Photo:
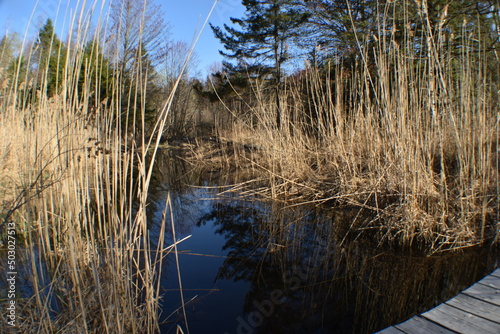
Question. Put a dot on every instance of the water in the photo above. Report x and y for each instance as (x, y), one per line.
(252, 266)
(256, 267)
(200, 258)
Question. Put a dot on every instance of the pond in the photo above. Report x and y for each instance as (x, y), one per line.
(253, 266)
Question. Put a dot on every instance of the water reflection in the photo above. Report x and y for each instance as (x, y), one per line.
(258, 267)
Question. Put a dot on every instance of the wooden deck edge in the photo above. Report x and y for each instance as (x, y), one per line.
(474, 310)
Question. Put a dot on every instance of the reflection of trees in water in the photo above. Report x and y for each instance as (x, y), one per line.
(294, 255)
(173, 176)
(326, 288)
(182, 180)
(239, 225)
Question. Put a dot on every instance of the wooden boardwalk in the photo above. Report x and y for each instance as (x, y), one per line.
(474, 310)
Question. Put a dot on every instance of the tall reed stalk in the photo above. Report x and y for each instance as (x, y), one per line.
(411, 140)
(75, 178)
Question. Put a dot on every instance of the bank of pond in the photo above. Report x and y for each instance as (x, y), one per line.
(257, 266)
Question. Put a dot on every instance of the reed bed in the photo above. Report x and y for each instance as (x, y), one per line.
(411, 140)
(75, 172)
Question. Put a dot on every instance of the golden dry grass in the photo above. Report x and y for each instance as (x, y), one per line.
(76, 188)
(416, 146)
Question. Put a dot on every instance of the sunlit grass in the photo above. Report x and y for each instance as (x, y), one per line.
(75, 171)
(411, 140)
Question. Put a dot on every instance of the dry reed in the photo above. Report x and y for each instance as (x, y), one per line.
(75, 186)
(412, 141)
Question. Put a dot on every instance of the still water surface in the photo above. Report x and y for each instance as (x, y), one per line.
(259, 267)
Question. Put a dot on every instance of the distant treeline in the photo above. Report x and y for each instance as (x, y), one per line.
(277, 41)
(129, 58)
(271, 46)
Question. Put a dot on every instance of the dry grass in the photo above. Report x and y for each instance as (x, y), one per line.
(76, 188)
(415, 144)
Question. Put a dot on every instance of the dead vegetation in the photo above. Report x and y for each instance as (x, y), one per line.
(413, 142)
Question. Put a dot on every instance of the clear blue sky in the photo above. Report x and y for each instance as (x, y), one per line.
(185, 17)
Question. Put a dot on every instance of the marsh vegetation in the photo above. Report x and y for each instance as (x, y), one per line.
(342, 134)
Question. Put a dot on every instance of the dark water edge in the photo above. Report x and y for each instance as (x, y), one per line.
(259, 267)
(252, 266)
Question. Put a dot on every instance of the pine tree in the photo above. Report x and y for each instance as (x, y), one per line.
(136, 43)
(341, 27)
(262, 44)
(51, 56)
(8, 46)
(95, 79)
(337, 27)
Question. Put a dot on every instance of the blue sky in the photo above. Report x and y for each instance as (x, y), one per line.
(185, 16)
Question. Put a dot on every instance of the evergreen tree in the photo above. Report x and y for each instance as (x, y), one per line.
(341, 27)
(51, 59)
(95, 79)
(135, 47)
(263, 42)
(337, 27)
(458, 24)
(8, 46)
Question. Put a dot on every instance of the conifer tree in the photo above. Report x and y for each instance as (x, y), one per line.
(9, 43)
(95, 77)
(263, 41)
(338, 27)
(51, 59)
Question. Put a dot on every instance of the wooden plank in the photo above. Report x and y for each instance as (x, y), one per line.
(491, 281)
(484, 292)
(475, 310)
(419, 325)
(460, 321)
(496, 273)
(391, 330)
(476, 306)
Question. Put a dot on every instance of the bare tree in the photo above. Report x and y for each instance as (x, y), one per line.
(136, 42)
(183, 109)
(173, 59)
(137, 27)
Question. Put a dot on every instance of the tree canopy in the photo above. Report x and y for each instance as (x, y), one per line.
(50, 57)
(263, 40)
